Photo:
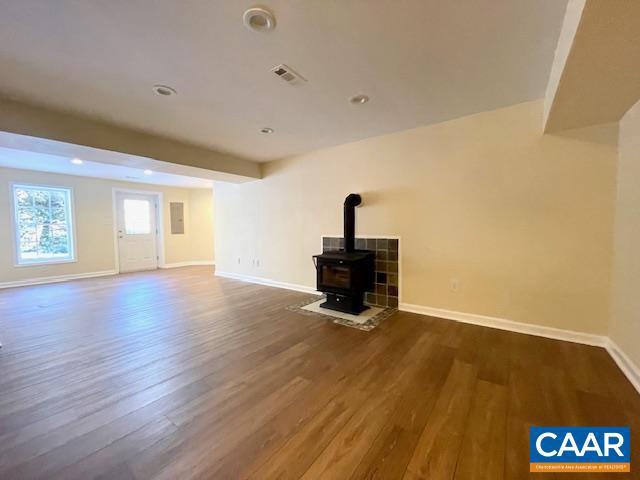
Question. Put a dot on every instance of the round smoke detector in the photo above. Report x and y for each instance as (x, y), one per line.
(258, 19)
(164, 90)
(359, 99)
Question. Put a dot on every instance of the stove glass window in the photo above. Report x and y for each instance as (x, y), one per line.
(336, 276)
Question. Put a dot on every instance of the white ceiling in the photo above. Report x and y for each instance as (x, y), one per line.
(12, 158)
(420, 61)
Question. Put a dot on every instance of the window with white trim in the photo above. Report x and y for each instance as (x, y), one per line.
(43, 224)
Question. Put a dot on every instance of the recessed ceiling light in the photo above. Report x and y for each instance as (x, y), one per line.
(77, 161)
(359, 99)
(266, 130)
(148, 172)
(164, 90)
(259, 20)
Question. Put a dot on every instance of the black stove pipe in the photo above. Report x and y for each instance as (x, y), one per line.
(352, 201)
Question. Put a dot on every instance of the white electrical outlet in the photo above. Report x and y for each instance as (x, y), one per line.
(455, 284)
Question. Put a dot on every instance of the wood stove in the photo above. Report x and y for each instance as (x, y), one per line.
(345, 275)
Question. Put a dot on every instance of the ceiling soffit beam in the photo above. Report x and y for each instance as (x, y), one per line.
(595, 77)
(572, 17)
(34, 121)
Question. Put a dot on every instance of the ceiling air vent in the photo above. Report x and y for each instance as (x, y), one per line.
(288, 74)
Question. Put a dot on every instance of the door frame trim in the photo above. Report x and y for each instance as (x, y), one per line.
(159, 223)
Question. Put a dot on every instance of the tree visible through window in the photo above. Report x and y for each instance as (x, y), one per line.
(43, 224)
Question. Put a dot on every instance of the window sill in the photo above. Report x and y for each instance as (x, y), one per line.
(44, 262)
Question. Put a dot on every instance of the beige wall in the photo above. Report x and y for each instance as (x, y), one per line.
(94, 224)
(625, 317)
(200, 234)
(523, 221)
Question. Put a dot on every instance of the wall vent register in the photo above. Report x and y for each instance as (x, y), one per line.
(288, 74)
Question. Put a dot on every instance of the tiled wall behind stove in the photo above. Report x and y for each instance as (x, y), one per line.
(385, 293)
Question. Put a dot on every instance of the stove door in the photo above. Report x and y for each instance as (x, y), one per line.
(334, 276)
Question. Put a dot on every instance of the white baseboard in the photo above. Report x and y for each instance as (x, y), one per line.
(628, 367)
(56, 279)
(268, 282)
(510, 325)
(188, 264)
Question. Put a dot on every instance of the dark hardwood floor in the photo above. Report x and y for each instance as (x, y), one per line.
(178, 374)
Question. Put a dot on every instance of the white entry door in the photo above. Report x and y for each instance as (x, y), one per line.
(137, 231)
